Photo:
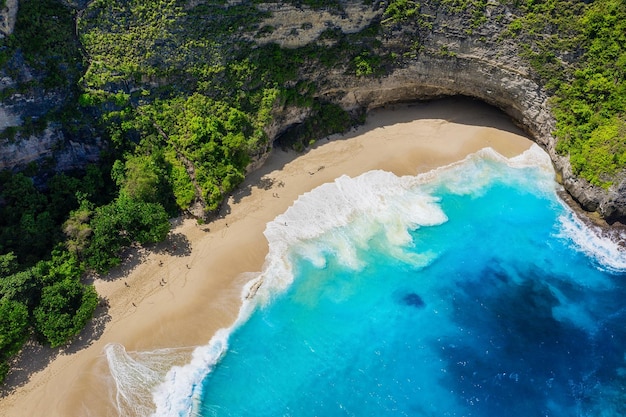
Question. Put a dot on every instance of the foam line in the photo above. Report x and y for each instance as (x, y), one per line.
(593, 242)
(137, 374)
(472, 174)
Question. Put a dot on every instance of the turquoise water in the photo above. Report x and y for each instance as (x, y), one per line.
(471, 291)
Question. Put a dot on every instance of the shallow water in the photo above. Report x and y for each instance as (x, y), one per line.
(470, 291)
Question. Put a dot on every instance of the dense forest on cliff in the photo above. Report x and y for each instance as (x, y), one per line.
(183, 95)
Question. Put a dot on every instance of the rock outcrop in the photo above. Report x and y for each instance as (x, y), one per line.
(8, 16)
(33, 131)
(52, 148)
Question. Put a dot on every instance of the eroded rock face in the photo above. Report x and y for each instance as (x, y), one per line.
(50, 147)
(455, 59)
(8, 16)
(47, 146)
(30, 135)
(520, 97)
(292, 27)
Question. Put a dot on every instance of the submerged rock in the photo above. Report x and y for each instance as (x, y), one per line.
(414, 300)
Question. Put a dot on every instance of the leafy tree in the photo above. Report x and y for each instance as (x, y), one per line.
(13, 327)
(143, 222)
(77, 229)
(22, 286)
(65, 308)
(8, 264)
(62, 265)
(13, 331)
(37, 234)
(141, 179)
(179, 180)
(28, 219)
(20, 196)
(62, 199)
(121, 223)
(102, 253)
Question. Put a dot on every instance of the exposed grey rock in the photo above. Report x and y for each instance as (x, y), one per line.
(51, 148)
(8, 117)
(479, 63)
(8, 16)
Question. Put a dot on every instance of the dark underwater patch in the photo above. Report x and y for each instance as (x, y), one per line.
(511, 353)
(414, 300)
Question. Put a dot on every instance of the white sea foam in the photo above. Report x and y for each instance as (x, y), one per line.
(590, 240)
(179, 393)
(336, 218)
(474, 173)
(137, 374)
(340, 217)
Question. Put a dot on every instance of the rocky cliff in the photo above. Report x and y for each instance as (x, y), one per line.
(39, 124)
(438, 51)
(453, 58)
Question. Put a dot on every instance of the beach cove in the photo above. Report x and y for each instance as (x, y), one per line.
(173, 298)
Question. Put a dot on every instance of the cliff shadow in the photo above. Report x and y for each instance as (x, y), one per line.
(175, 244)
(454, 109)
(261, 178)
(131, 257)
(33, 358)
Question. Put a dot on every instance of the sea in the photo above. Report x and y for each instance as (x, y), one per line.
(471, 290)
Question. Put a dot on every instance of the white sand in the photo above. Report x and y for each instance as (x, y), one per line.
(196, 290)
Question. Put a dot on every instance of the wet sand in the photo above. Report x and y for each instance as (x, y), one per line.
(178, 293)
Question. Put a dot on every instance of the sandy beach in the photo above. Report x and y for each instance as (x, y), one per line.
(175, 295)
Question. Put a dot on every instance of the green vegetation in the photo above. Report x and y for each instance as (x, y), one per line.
(476, 9)
(182, 95)
(120, 223)
(327, 119)
(64, 309)
(579, 51)
(591, 106)
(47, 299)
(401, 11)
(30, 219)
(13, 331)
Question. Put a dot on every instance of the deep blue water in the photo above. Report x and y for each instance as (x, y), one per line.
(462, 294)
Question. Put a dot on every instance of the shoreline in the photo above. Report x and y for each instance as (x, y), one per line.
(177, 294)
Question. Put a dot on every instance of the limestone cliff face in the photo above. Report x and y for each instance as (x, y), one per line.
(31, 132)
(7, 17)
(51, 148)
(453, 58)
(46, 144)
